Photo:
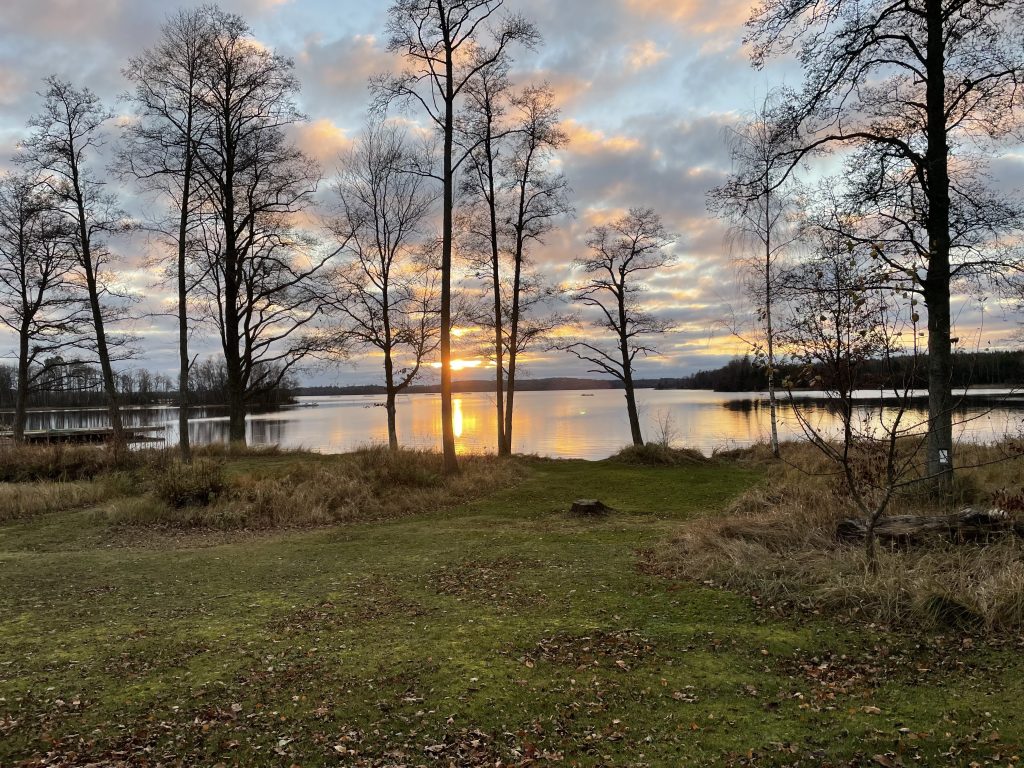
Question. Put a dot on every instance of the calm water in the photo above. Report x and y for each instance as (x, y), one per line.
(588, 425)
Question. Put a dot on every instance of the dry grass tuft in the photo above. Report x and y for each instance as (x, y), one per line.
(777, 541)
(197, 483)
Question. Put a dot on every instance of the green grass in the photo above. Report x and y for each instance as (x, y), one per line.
(501, 629)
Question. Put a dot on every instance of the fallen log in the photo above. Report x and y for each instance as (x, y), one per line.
(590, 508)
(968, 525)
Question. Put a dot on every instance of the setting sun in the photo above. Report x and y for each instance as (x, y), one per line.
(461, 365)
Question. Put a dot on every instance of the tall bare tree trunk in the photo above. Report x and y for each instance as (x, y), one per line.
(770, 331)
(451, 461)
(936, 286)
(499, 342)
(102, 351)
(184, 442)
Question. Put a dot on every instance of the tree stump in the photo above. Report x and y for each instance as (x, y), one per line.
(590, 508)
(968, 525)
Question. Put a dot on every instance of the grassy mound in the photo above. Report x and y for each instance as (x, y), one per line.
(659, 455)
(777, 542)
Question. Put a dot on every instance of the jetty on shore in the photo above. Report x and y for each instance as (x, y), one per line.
(87, 435)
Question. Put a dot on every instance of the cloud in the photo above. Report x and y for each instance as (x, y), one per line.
(322, 140)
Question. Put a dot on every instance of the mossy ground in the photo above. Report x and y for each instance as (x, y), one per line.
(503, 629)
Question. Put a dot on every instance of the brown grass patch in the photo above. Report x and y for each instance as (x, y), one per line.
(777, 541)
(19, 501)
(368, 485)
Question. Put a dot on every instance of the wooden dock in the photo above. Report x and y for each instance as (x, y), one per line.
(87, 435)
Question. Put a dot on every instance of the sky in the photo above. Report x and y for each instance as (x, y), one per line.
(647, 90)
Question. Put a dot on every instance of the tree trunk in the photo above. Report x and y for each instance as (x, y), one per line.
(233, 364)
(510, 402)
(627, 370)
(389, 405)
(107, 370)
(184, 442)
(21, 396)
(232, 330)
(939, 447)
(513, 346)
(634, 414)
(968, 525)
(451, 461)
(769, 330)
(499, 342)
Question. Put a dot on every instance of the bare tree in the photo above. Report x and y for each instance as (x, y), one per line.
(39, 300)
(758, 200)
(839, 316)
(621, 253)
(161, 147)
(446, 44)
(483, 131)
(261, 271)
(538, 196)
(386, 294)
(64, 135)
(917, 84)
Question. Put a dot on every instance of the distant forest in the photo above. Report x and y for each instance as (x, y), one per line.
(741, 374)
(68, 384)
(973, 369)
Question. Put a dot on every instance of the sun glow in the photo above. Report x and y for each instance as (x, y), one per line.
(461, 365)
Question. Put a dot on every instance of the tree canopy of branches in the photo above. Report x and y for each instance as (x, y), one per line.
(621, 253)
(260, 271)
(913, 86)
(64, 135)
(758, 200)
(386, 293)
(160, 151)
(39, 300)
(445, 45)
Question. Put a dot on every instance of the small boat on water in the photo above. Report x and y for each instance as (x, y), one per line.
(587, 394)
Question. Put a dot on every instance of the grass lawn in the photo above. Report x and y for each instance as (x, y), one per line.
(501, 630)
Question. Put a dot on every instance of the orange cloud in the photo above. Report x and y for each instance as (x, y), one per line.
(644, 55)
(323, 140)
(583, 140)
(698, 17)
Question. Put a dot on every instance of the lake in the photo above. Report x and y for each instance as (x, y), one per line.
(562, 424)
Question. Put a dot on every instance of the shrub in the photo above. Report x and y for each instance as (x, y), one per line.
(180, 484)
